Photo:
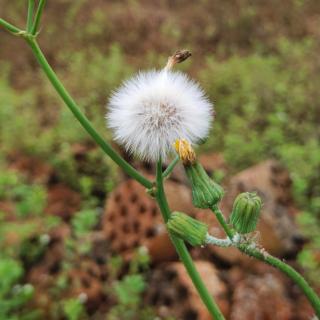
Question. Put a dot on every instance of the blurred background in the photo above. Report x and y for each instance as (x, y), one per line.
(78, 239)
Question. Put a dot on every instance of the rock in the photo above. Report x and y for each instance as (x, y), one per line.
(84, 282)
(213, 162)
(172, 293)
(132, 219)
(33, 168)
(62, 201)
(261, 297)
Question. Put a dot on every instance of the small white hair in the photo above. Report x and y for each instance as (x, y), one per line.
(154, 108)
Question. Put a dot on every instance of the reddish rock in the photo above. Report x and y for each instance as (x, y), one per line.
(213, 162)
(7, 207)
(172, 293)
(62, 201)
(261, 297)
(132, 219)
(35, 169)
(84, 281)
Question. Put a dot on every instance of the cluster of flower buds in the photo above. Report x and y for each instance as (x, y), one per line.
(205, 192)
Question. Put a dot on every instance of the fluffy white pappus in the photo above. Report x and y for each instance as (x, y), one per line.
(153, 109)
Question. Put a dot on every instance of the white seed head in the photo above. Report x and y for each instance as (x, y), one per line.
(149, 112)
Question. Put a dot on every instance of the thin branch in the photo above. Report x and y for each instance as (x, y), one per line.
(9, 27)
(171, 167)
(220, 217)
(84, 121)
(30, 15)
(37, 18)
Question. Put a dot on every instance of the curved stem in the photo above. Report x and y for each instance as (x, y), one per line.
(71, 104)
(183, 252)
(273, 261)
(171, 167)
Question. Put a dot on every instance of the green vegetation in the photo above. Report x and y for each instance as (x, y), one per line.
(267, 96)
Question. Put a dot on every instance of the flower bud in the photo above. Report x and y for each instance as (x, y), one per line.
(185, 152)
(187, 228)
(205, 192)
(245, 212)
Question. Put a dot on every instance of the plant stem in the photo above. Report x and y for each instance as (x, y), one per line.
(9, 26)
(37, 18)
(171, 167)
(218, 242)
(71, 104)
(183, 252)
(220, 217)
(273, 261)
(30, 15)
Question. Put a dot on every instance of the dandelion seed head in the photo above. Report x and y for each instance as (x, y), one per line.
(150, 111)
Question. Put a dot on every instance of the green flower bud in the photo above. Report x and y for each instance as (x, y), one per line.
(245, 212)
(205, 192)
(187, 228)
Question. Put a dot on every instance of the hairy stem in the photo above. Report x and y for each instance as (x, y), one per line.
(183, 252)
(273, 261)
(218, 242)
(170, 167)
(71, 104)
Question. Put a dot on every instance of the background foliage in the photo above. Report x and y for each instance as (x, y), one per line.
(259, 65)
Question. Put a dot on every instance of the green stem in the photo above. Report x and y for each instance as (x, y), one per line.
(30, 15)
(82, 118)
(37, 18)
(171, 167)
(183, 252)
(9, 26)
(220, 217)
(275, 262)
